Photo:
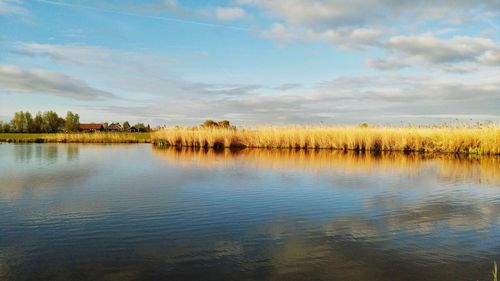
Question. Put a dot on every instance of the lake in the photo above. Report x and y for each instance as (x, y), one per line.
(133, 212)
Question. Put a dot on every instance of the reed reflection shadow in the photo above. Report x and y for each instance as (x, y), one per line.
(449, 167)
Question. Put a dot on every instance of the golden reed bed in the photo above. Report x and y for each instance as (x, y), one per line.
(443, 140)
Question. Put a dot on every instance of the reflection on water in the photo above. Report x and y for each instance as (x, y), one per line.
(72, 152)
(448, 167)
(48, 152)
(131, 212)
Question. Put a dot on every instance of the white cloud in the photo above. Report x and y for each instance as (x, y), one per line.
(357, 38)
(330, 13)
(386, 64)
(303, 12)
(12, 7)
(342, 100)
(462, 68)
(39, 81)
(460, 54)
(456, 49)
(383, 24)
(91, 55)
(279, 33)
(231, 13)
(490, 57)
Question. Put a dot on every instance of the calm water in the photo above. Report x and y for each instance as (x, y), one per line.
(132, 212)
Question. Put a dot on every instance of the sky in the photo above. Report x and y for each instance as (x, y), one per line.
(254, 62)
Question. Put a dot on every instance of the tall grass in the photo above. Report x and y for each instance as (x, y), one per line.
(484, 140)
(98, 137)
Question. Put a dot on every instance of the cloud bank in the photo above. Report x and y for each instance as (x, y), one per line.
(361, 24)
(39, 81)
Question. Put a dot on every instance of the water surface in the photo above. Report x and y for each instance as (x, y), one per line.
(132, 212)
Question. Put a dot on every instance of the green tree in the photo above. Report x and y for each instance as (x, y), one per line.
(6, 128)
(224, 124)
(17, 122)
(126, 126)
(52, 123)
(72, 122)
(220, 124)
(28, 121)
(105, 126)
(22, 122)
(38, 123)
(209, 124)
(141, 127)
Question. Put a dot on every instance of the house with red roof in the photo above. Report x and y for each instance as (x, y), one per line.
(91, 127)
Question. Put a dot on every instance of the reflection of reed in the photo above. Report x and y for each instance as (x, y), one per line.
(448, 167)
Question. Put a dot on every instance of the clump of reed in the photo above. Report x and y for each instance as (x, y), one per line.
(97, 137)
(478, 140)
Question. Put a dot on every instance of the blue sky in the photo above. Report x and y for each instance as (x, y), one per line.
(253, 62)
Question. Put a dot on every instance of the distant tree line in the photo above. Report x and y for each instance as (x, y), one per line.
(50, 122)
(46, 122)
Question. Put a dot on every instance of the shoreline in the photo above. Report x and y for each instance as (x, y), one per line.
(237, 149)
(460, 141)
(312, 149)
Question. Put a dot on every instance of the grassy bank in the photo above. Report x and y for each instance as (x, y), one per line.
(119, 137)
(443, 140)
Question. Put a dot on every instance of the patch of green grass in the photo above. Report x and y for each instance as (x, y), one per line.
(99, 137)
(20, 137)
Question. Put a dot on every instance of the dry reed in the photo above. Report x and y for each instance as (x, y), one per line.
(484, 140)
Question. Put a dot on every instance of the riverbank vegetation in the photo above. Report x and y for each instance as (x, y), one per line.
(96, 137)
(467, 140)
(50, 122)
